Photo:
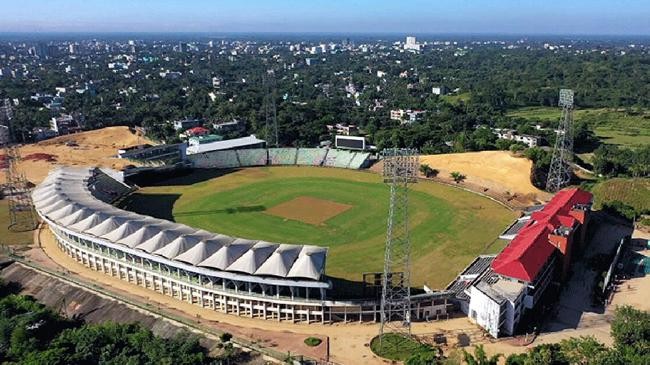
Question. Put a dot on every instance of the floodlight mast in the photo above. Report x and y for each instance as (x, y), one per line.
(400, 170)
(270, 111)
(559, 174)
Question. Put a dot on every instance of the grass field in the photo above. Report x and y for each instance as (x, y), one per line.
(633, 192)
(457, 98)
(8, 237)
(449, 227)
(397, 347)
(611, 126)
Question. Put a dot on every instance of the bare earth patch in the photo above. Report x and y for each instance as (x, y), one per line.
(92, 148)
(308, 210)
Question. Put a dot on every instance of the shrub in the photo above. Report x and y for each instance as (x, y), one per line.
(457, 176)
(225, 337)
(313, 341)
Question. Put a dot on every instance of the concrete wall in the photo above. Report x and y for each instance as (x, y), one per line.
(484, 311)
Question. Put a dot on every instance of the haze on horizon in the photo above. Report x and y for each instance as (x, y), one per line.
(585, 17)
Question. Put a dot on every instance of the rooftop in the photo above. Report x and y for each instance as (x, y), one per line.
(526, 254)
(225, 145)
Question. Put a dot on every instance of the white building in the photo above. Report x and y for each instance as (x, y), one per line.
(66, 123)
(216, 82)
(411, 44)
(497, 307)
(397, 114)
(406, 116)
(512, 135)
(342, 129)
(495, 291)
(439, 90)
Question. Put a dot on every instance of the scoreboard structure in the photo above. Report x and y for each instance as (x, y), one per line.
(350, 143)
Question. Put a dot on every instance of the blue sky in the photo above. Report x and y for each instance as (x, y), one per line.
(353, 16)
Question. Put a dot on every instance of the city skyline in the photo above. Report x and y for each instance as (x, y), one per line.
(579, 17)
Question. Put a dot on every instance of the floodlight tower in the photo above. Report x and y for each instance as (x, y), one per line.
(400, 170)
(559, 174)
(22, 216)
(270, 112)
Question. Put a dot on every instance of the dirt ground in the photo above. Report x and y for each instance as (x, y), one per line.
(493, 172)
(93, 148)
(634, 291)
(308, 210)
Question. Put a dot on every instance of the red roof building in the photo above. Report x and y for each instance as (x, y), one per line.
(551, 228)
(197, 131)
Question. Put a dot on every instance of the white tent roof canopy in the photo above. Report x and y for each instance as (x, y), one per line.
(75, 198)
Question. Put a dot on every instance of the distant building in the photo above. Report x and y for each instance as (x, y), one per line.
(40, 133)
(173, 75)
(182, 125)
(216, 82)
(4, 134)
(406, 116)
(512, 135)
(42, 98)
(397, 114)
(411, 44)
(66, 123)
(343, 129)
(197, 131)
(232, 126)
(55, 104)
(6, 111)
(439, 90)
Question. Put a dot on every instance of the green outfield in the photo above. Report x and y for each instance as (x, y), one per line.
(449, 227)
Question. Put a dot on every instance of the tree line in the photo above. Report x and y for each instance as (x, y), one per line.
(30, 333)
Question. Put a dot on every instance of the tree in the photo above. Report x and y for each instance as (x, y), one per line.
(631, 328)
(480, 357)
(427, 171)
(546, 354)
(457, 176)
(225, 337)
(516, 147)
(424, 357)
(581, 350)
